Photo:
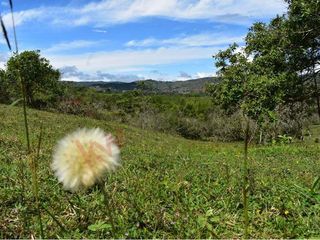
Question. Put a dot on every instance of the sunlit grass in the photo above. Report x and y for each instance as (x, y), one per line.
(167, 187)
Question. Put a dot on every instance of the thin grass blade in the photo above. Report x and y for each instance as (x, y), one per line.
(16, 102)
(11, 6)
(315, 183)
(14, 26)
(5, 33)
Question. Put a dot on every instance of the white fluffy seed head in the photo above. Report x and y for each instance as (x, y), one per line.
(82, 157)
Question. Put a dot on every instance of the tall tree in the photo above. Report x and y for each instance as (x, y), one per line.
(40, 79)
(272, 54)
(246, 85)
(275, 65)
(303, 26)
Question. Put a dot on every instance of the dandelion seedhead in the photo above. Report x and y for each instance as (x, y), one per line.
(82, 157)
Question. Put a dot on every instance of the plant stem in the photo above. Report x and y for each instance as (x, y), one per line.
(78, 211)
(25, 113)
(36, 181)
(54, 219)
(14, 29)
(23, 86)
(107, 204)
(22, 193)
(245, 181)
(35, 186)
(23, 91)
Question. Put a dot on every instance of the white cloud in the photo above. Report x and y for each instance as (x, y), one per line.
(3, 59)
(2, 41)
(109, 12)
(204, 74)
(99, 30)
(24, 16)
(204, 39)
(72, 73)
(115, 60)
(65, 46)
(122, 64)
(183, 76)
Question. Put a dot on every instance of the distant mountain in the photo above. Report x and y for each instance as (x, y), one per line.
(181, 87)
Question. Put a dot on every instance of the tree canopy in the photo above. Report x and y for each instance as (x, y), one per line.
(39, 78)
(278, 64)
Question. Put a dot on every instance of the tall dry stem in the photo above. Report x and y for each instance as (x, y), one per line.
(245, 180)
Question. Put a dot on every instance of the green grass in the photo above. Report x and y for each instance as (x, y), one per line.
(167, 187)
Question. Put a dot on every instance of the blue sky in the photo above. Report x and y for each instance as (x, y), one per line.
(127, 40)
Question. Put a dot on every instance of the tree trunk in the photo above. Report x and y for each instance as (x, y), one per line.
(260, 136)
(314, 76)
(316, 90)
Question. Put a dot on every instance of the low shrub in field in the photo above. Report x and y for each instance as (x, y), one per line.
(190, 128)
(225, 128)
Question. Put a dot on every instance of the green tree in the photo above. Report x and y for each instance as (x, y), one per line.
(277, 68)
(40, 79)
(270, 48)
(289, 46)
(246, 85)
(303, 26)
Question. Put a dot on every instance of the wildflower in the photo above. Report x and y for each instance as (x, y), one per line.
(82, 157)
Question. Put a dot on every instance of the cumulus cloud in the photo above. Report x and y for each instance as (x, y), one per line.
(118, 77)
(184, 75)
(72, 73)
(130, 58)
(204, 74)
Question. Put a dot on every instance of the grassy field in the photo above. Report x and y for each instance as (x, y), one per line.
(167, 187)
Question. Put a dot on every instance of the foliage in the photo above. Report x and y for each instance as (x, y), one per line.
(194, 86)
(243, 87)
(304, 34)
(39, 78)
(190, 116)
(4, 86)
(275, 67)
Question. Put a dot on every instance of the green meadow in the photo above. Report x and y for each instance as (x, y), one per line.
(166, 187)
(225, 157)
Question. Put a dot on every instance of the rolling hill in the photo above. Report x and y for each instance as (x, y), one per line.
(180, 87)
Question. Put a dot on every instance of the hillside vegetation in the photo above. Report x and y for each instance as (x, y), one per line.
(176, 87)
(167, 187)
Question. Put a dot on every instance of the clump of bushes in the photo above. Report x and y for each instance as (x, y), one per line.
(192, 117)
